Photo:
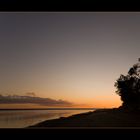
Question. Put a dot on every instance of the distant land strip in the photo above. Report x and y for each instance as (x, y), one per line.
(47, 109)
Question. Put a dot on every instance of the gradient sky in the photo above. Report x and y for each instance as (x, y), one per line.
(68, 55)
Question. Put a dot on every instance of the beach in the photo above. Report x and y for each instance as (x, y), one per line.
(99, 118)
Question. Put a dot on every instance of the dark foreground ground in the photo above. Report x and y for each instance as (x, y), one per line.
(98, 118)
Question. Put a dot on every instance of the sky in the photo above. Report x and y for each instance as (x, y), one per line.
(73, 56)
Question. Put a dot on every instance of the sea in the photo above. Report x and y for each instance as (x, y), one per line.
(28, 117)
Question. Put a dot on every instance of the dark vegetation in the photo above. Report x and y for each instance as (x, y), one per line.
(128, 87)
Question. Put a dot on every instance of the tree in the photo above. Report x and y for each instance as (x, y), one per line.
(128, 87)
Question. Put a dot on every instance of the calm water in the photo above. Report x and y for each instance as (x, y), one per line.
(24, 118)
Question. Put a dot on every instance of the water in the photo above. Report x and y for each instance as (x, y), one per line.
(24, 118)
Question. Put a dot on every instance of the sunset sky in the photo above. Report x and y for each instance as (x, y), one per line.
(73, 56)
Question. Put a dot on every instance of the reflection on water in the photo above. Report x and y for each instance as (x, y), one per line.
(24, 118)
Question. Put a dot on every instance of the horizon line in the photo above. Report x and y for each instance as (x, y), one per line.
(65, 108)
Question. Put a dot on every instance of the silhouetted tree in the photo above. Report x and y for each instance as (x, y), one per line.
(128, 87)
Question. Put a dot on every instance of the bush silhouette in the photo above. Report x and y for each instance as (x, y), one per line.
(128, 87)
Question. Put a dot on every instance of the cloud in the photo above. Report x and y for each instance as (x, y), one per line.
(30, 94)
(16, 99)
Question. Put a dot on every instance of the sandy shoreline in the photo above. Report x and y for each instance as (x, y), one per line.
(98, 118)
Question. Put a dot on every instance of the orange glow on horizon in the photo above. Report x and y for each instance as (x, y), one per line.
(93, 104)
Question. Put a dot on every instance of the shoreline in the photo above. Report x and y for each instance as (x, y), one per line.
(99, 118)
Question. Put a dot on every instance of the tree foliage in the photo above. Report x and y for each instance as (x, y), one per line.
(128, 87)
